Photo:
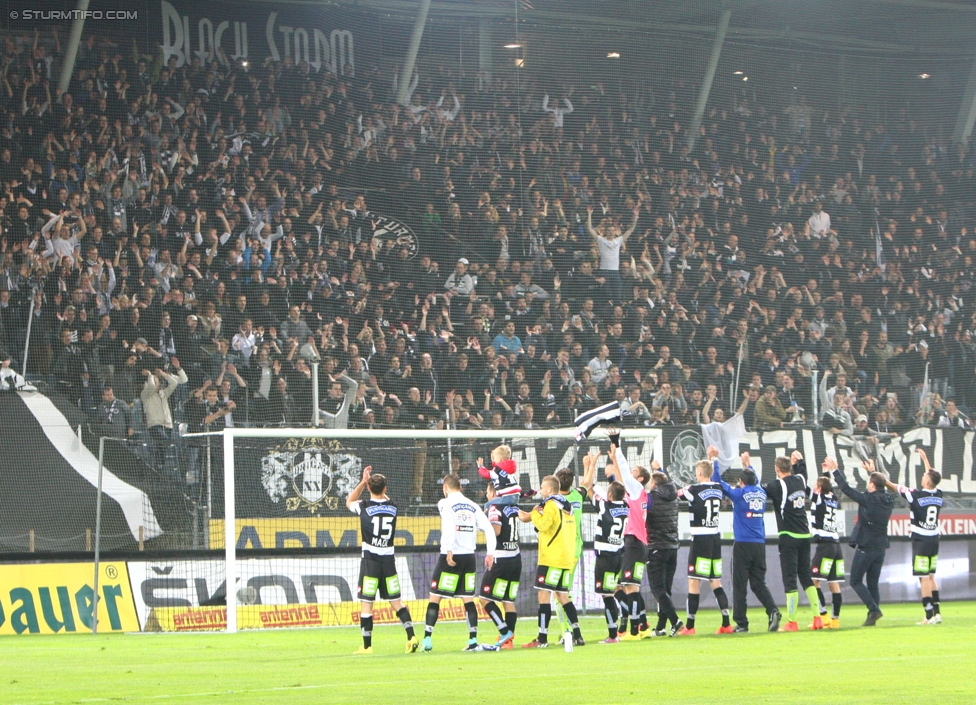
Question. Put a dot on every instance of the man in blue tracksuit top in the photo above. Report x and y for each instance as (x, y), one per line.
(749, 550)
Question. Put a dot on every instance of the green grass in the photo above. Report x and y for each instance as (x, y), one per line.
(894, 662)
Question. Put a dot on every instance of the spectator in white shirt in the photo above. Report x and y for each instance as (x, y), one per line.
(244, 341)
(557, 113)
(818, 224)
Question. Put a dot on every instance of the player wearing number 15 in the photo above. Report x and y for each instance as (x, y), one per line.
(925, 505)
(377, 570)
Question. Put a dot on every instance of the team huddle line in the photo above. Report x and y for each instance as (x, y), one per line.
(637, 534)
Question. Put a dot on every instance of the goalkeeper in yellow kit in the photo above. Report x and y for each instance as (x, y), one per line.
(556, 524)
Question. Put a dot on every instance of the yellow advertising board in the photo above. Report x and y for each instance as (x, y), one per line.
(57, 598)
(321, 532)
(337, 614)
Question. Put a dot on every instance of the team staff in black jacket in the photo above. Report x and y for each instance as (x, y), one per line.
(870, 535)
(662, 547)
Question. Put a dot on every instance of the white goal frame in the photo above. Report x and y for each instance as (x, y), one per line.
(231, 434)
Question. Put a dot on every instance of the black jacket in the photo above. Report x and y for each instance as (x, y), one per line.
(873, 512)
(662, 517)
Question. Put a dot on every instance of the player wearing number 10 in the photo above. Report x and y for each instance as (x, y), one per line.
(500, 584)
(377, 570)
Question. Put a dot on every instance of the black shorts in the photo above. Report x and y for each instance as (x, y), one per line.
(705, 557)
(925, 556)
(553, 579)
(794, 562)
(607, 572)
(501, 582)
(378, 578)
(632, 563)
(828, 563)
(662, 563)
(454, 581)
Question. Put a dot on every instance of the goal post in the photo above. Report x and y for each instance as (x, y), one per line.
(282, 486)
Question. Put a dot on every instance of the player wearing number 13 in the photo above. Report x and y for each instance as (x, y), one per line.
(705, 559)
(377, 570)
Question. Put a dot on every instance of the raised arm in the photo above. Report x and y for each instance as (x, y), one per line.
(634, 487)
(717, 473)
(357, 491)
(589, 223)
(630, 231)
(589, 471)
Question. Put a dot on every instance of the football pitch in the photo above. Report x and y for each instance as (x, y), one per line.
(892, 663)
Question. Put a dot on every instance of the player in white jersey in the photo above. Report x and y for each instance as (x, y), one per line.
(454, 574)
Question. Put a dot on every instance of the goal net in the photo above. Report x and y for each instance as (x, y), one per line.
(291, 553)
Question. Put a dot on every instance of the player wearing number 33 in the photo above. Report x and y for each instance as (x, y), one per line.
(377, 570)
(454, 574)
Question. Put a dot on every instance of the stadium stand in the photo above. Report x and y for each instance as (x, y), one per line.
(181, 241)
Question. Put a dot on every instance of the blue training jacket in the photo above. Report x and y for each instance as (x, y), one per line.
(748, 508)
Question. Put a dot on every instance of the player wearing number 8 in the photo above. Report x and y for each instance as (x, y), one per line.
(705, 558)
(925, 505)
(377, 570)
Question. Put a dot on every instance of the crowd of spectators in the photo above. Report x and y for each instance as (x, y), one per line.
(183, 241)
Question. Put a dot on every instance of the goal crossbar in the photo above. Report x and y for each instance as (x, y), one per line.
(232, 434)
